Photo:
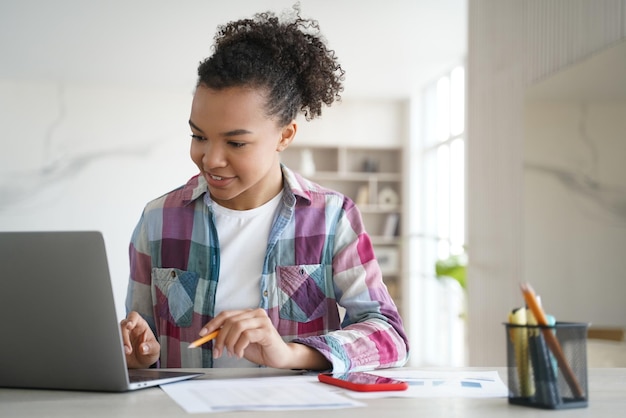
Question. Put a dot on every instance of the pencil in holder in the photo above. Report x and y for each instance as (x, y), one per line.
(547, 365)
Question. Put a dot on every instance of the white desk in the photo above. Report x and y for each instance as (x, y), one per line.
(607, 398)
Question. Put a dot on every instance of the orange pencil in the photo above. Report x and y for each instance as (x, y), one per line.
(551, 340)
(204, 339)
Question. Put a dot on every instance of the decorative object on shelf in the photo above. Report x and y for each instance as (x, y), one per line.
(388, 198)
(391, 225)
(307, 163)
(370, 165)
(363, 195)
(388, 259)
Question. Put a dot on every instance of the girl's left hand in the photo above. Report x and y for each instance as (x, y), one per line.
(250, 334)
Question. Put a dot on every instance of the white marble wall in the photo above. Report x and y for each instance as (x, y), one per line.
(89, 157)
(575, 208)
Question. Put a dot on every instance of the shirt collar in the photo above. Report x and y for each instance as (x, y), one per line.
(195, 188)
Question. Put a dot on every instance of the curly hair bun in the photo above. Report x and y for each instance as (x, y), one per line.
(287, 57)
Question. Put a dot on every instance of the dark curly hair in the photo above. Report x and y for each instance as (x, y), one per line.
(288, 59)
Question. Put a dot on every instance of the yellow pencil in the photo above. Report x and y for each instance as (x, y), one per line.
(519, 337)
(204, 339)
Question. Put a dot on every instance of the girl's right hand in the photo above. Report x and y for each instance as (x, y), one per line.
(140, 345)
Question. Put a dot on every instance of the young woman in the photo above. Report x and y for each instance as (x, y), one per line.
(249, 247)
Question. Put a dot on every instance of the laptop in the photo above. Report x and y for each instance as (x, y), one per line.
(59, 324)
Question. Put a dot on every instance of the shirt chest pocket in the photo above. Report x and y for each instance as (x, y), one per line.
(302, 292)
(173, 292)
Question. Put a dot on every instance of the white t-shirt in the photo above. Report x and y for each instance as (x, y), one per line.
(243, 236)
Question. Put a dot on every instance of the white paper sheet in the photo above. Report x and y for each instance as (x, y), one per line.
(439, 384)
(259, 394)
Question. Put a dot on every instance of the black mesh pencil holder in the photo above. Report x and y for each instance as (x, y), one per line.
(547, 365)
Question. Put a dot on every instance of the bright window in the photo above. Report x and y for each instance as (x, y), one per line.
(438, 160)
(443, 161)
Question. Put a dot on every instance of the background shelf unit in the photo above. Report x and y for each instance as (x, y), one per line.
(373, 178)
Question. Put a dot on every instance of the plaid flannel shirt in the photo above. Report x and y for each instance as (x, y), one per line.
(318, 255)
